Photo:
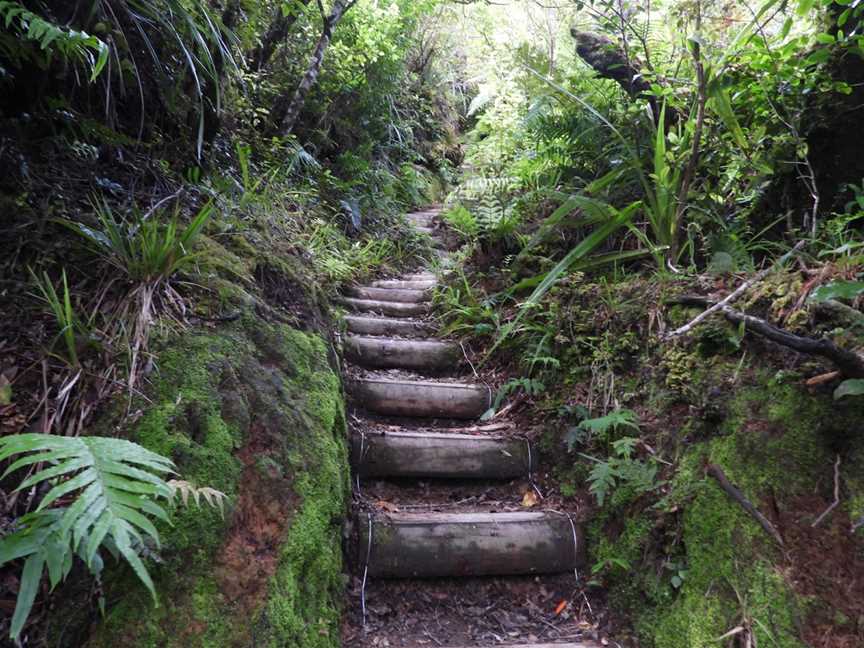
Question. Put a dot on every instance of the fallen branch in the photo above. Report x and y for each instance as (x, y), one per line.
(836, 495)
(717, 473)
(849, 362)
(735, 294)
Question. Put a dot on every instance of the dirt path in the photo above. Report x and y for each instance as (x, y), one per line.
(445, 550)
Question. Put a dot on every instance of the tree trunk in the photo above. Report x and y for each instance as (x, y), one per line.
(276, 33)
(285, 111)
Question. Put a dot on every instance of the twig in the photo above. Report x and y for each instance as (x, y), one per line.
(836, 495)
(849, 362)
(717, 473)
(166, 199)
(734, 294)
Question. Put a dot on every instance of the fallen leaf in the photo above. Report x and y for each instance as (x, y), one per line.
(560, 607)
(529, 499)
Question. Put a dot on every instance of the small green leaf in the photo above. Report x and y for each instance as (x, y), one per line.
(837, 290)
(851, 387)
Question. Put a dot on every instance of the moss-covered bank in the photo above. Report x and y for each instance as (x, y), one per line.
(777, 442)
(255, 411)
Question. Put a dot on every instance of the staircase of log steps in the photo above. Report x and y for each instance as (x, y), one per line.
(438, 563)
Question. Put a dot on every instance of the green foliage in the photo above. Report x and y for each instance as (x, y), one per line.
(113, 485)
(837, 290)
(462, 221)
(525, 385)
(850, 387)
(600, 427)
(61, 307)
(619, 469)
(145, 250)
(70, 44)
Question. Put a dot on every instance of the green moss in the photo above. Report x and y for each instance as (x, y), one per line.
(777, 440)
(270, 388)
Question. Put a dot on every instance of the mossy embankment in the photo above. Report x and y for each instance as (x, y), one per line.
(679, 562)
(250, 404)
(685, 562)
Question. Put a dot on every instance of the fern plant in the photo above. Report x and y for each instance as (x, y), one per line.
(102, 494)
(51, 38)
(621, 467)
(600, 427)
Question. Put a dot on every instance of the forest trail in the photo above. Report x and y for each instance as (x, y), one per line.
(445, 550)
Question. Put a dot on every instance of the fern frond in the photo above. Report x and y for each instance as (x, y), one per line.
(213, 497)
(102, 492)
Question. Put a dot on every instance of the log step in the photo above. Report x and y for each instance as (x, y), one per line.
(415, 276)
(396, 309)
(402, 354)
(421, 220)
(416, 284)
(438, 455)
(434, 545)
(567, 644)
(387, 326)
(390, 294)
(421, 399)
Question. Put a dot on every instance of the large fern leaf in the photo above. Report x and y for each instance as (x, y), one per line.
(102, 492)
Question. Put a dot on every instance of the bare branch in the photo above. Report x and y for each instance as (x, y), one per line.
(717, 473)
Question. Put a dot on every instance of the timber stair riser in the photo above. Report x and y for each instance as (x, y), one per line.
(391, 294)
(416, 284)
(420, 399)
(374, 352)
(385, 333)
(386, 326)
(396, 309)
(438, 456)
(440, 545)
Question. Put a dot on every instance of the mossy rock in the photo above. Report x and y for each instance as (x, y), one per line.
(257, 412)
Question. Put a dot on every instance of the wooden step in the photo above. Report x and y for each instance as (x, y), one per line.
(387, 326)
(434, 545)
(438, 455)
(421, 399)
(415, 276)
(373, 352)
(416, 284)
(421, 220)
(390, 294)
(396, 309)
(566, 644)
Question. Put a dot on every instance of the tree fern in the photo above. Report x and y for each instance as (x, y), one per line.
(102, 493)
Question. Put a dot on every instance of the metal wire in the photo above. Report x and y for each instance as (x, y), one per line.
(530, 475)
(366, 570)
(575, 545)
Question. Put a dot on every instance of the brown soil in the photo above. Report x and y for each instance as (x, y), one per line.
(826, 565)
(263, 511)
(476, 611)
